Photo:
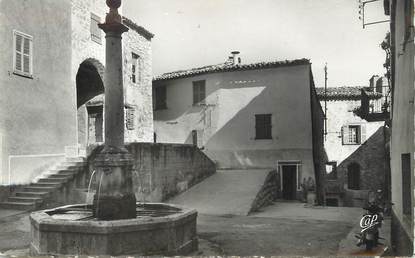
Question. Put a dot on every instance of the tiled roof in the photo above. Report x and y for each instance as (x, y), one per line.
(346, 93)
(226, 67)
(141, 30)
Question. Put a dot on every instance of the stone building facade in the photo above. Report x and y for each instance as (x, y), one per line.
(237, 114)
(402, 60)
(356, 147)
(52, 81)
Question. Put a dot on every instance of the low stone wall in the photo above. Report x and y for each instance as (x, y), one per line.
(268, 193)
(162, 171)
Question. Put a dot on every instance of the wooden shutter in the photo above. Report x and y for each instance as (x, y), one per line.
(199, 91)
(362, 134)
(19, 52)
(202, 92)
(129, 119)
(345, 134)
(406, 183)
(26, 55)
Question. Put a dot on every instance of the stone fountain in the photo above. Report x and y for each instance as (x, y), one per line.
(115, 224)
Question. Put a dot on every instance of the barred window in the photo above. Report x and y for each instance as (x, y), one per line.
(95, 30)
(263, 126)
(23, 54)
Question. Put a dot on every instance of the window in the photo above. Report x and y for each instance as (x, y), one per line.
(160, 97)
(331, 170)
(263, 126)
(23, 54)
(130, 118)
(199, 92)
(353, 176)
(406, 183)
(353, 134)
(95, 30)
(136, 68)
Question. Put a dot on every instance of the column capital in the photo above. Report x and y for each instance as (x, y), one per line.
(117, 28)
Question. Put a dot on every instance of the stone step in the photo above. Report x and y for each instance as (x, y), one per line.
(18, 205)
(78, 166)
(32, 194)
(47, 184)
(53, 180)
(57, 171)
(25, 199)
(39, 189)
(60, 176)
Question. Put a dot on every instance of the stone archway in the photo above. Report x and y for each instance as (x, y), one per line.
(90, 86)
(89, 80)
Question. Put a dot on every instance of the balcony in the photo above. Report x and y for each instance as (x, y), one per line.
(375, 106)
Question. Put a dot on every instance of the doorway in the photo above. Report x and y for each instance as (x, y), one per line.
(289, 182)
(95, 124)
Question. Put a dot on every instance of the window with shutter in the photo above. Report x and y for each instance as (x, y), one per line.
(94, 29)
(263, 126)
(199, 92)
(136, 68)
(352, 135)
(130, 118)
(23, 54)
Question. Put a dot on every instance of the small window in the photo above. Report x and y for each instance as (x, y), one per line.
(331, 170)
(130, 118)
(406, 183)
(353, 176)
(136, 68)
(160, 97)
(23, 54)
(263, 126)
(353, 134)
(199, 92)
(95, 30)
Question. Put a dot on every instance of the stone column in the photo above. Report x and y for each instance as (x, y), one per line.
(115, 198)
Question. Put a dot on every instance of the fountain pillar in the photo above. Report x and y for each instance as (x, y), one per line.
(114, 198)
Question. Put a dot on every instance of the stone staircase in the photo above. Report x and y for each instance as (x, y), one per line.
(35, 195)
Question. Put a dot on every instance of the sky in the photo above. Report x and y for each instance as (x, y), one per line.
(194, 33)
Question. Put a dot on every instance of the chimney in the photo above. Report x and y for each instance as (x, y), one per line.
(235, 58)
(372, 82)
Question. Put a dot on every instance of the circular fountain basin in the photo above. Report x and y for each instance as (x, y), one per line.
(159, 229)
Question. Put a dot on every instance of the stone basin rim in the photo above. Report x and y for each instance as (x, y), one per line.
(45, 222)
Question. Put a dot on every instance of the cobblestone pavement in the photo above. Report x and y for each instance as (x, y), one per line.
(306, 232)
(14, 233)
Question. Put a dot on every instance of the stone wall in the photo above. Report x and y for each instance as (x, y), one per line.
(371, 157)
(138, 95)
(319, 153)
(268, 192)
(162, 171)
(340, 113)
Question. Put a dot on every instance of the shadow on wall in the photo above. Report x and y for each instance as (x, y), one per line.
(234, 144)
(161, 171)
(370, 159)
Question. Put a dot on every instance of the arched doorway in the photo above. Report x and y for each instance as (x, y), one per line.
(353, 176)
(90, 86)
